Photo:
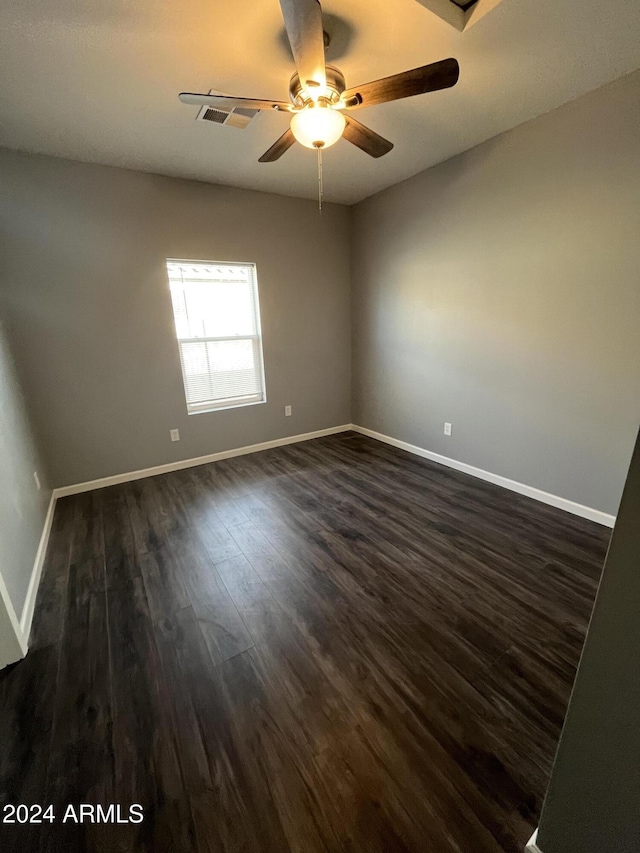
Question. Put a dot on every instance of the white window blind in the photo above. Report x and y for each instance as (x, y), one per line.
(217, 315)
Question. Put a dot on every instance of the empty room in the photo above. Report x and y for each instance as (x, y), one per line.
(319, 456)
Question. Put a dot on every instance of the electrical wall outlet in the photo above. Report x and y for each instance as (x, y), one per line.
(37, 479)
(447, 429)
(287, 411)
(175, 434)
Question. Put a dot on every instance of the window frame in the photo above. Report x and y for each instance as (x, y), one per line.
(226, 402)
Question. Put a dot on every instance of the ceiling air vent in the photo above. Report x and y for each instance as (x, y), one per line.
(460, 14)
(237, 117)
(209, 114)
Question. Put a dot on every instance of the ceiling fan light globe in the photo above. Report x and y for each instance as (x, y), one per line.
(318, 127)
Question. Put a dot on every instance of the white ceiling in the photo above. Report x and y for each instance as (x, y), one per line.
(98, 80)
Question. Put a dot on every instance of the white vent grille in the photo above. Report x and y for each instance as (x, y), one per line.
(237, 117)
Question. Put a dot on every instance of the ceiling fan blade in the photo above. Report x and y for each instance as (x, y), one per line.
(303, 23)
(226, 102)
(279, 147)
(417, 81)
(365, 139)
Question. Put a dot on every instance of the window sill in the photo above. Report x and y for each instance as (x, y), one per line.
(226, 408)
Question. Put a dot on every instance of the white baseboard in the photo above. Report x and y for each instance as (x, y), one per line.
(532, 847)
(14, 633)
(127, 477)
(12, 646)
(20, 629)
(497, 479)
(36, 573)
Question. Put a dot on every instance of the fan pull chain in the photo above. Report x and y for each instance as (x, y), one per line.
(320, 186)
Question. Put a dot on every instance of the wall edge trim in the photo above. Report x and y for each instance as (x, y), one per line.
(129, 476)
(497, 479)
(532, 846)
(36, 573)
(16, 651)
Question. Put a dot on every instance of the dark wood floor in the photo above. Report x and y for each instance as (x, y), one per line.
(332, 646)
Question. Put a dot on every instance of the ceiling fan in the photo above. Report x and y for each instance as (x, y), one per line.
(319, 95)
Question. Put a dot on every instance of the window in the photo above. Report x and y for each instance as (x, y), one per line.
(215, 306)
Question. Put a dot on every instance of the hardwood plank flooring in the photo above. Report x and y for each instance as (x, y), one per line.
(330, 646)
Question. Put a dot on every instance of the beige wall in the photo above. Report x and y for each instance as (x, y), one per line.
(500, 291)
(92, 327)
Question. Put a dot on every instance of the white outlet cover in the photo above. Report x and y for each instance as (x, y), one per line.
(175, 434)
(287, 411)
(447, 429)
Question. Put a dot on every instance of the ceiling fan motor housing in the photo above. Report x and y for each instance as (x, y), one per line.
(318, 94)
(335, 87)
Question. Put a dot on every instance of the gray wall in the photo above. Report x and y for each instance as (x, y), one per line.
(87, 295)
(500, 291)
(593, 801)
(22, 507)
